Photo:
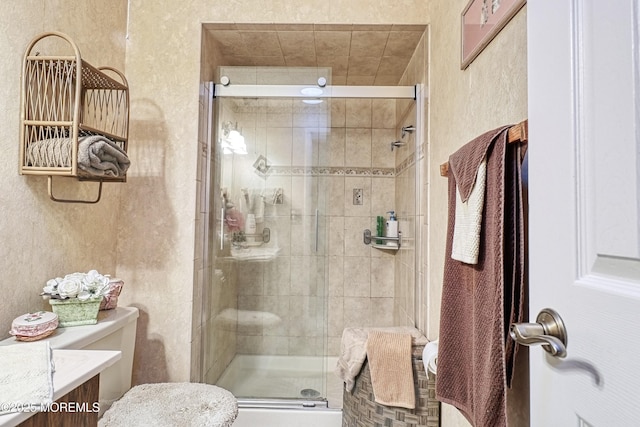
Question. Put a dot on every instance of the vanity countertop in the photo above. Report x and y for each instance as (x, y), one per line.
(72, 368)
(79, 337)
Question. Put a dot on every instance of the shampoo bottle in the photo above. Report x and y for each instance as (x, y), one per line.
(392, 228)
(250, 225)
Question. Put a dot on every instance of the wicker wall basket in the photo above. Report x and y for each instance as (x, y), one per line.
(360, 409)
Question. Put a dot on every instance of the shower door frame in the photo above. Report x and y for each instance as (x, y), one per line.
(294, 91)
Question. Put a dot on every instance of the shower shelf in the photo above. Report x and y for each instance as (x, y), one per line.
(368, 238)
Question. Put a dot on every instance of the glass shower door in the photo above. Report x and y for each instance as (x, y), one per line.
(271, 205)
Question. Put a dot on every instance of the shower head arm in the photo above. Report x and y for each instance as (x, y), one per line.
(407, 129)
(397, 144)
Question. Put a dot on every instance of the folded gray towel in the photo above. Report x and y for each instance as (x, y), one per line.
(100, 156)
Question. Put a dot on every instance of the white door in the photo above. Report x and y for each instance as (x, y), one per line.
(584, 183)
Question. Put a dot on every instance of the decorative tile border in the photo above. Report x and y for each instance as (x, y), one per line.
(406, 163)
(330, 171)
(411, 159)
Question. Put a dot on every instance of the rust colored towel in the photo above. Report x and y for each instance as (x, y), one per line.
(475, 354)
(389, 357)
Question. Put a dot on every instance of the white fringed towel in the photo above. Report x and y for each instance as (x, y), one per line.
(353, 352)
(26, 377)
(466, 232)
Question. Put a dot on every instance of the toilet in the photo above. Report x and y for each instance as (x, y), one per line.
(115, 330)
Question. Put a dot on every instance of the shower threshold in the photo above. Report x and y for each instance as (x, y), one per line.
(275, 403)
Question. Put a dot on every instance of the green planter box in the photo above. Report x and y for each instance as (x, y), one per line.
(73, 312)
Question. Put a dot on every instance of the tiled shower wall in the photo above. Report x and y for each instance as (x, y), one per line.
(354, 154)
(361, 278)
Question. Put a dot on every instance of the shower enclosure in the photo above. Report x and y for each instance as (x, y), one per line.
(269, 173)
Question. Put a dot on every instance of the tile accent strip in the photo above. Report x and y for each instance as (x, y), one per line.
(330, 171)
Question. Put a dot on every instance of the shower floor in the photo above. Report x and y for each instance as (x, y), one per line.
(283, 377)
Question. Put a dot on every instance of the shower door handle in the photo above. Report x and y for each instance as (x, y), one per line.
(222, 229)
(317, 226)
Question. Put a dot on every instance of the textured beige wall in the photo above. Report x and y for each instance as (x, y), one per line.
(491, 92)
(42, 239)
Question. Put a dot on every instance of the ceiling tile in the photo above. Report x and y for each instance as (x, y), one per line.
(297, 43)
(238, 60)
(264, 43)
(255, 27)
(220, 26)
(333, 27)
(368, 43)
(373, 27)
(339, 80)
(338, 64)
(386, 80)
(300, 61)
(268, 61)
(360, 80)
(330, 43)
(409, 27)
(363, 65)
(294, 27)
(402, 43)
(356, 54)
(393, 65)
(228, 42)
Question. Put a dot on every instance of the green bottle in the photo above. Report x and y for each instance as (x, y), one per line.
(379, 229)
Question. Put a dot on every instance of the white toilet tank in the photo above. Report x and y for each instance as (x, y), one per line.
(115, 330)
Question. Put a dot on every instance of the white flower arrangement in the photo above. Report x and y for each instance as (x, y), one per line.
(84, 286)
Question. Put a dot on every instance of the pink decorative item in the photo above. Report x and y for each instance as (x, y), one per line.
(110, 300)
(234, 220)
(34, 326)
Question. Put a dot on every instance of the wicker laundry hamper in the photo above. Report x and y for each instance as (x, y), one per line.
(359, 408)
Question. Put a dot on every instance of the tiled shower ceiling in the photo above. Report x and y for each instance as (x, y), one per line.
(357, 54)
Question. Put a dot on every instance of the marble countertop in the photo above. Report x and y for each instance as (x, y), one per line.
(72, 368)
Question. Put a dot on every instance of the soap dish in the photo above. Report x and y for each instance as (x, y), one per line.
(34, 326)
